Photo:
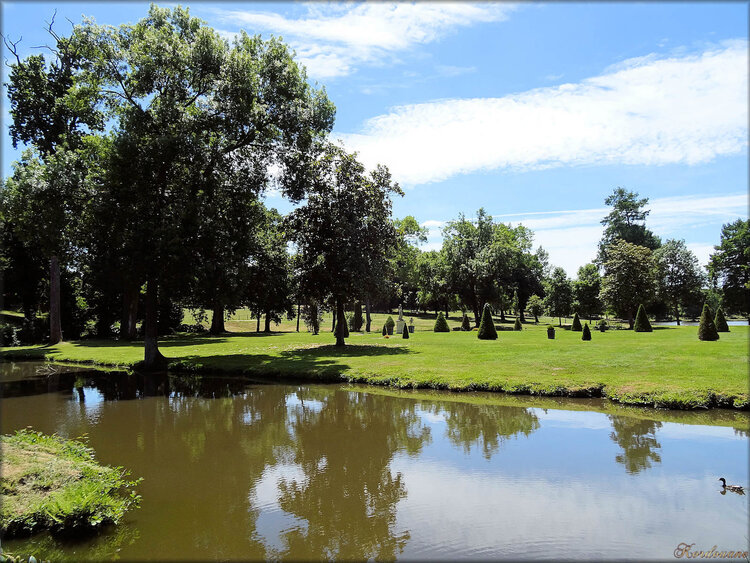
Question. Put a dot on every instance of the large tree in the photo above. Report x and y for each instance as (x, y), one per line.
(679, 276)
(626, 222)
(53, 107)
(343, 232)
(629, 278)
(729, 266)
(189, 106)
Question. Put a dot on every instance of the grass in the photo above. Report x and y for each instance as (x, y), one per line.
(667, 368)
(49, 483)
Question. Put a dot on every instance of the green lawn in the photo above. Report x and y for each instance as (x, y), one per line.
(669, 367)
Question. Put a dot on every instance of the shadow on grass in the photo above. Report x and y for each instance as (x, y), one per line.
(324, 361)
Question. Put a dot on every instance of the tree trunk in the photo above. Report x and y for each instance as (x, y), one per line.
(267, 327)
(340, 321)
(217, 320)
(559, 319)
(367, 313)
(130, 294)
(536, 318)
(257, 325)
(152, 359)
(298, 309)
(55, 323)
(523, 319)
(335, 314)
(446, 312)
(502, 315)
(476, 315)
(677, 314)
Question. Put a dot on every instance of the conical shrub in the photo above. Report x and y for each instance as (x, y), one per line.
(441, 325)
(406, 332)
(465, 326)
(576, 324)
(707, 328)
(517, 325)
(721, 322)
(389, 324)
(586, 332)
(641, 321)
(551, 332)
(487, 325)
(385, 330)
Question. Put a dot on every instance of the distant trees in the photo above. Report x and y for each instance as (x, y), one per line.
(729, 266)
(679, 276)
(586, 290)
(625, 222)
(629, 278)
(559, 298)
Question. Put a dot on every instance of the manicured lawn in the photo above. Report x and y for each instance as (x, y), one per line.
(668, 367)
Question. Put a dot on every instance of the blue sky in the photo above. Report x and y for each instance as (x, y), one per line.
(535, 112)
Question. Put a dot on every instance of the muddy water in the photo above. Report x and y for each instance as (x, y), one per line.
(238, 469)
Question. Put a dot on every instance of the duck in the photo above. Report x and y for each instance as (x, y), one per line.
(734, 488)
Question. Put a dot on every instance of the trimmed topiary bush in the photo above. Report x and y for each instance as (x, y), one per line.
(465, 326)
(406, 332)
(602, 324)
(487, 325)
(720, 321)
(576, 327)
(707, 328)
(441, 325)
(385, 330)
(586, 332)
(551, 332)
(389, 324)
(641, 321)
(517, 325)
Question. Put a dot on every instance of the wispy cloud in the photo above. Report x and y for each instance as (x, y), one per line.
(688, 109)
(333, 40)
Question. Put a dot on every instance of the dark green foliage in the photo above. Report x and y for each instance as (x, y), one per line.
(707, 328)
(576, 324)
(385, 330)
(641, 321)
(406, 332)
(721, 321)
(441, 325)
(465, 326)
(602, 325)
(586, 332)
(389, 324)
(357, 318)
(551, 332)
(517, 325)
(487, 325)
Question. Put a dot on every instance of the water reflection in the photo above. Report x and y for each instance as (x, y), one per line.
(637, 438)
(241, 469)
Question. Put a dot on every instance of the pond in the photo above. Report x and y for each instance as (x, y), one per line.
(240, 469)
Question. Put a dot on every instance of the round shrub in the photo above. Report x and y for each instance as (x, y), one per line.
(707, 328)
(465, 326)
(576, 324)
(441, 325)
(551, 332)
(641, 321)
(721, 322)
(517, 325)
(487, 325)
(586, 332)
(406, 332)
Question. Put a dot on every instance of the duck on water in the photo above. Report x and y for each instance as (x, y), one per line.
(734, 488)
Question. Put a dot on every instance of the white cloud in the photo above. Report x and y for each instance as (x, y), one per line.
(649, 110)
(332, 40)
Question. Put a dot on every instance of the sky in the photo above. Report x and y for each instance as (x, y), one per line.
(534, 111)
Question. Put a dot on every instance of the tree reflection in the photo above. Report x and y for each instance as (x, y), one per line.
(349, 495)
(637, 438)
(485, 426)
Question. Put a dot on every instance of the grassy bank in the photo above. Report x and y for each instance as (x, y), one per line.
(669, 367)
(49, 483)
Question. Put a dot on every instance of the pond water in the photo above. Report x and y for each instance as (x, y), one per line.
(238, 469)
